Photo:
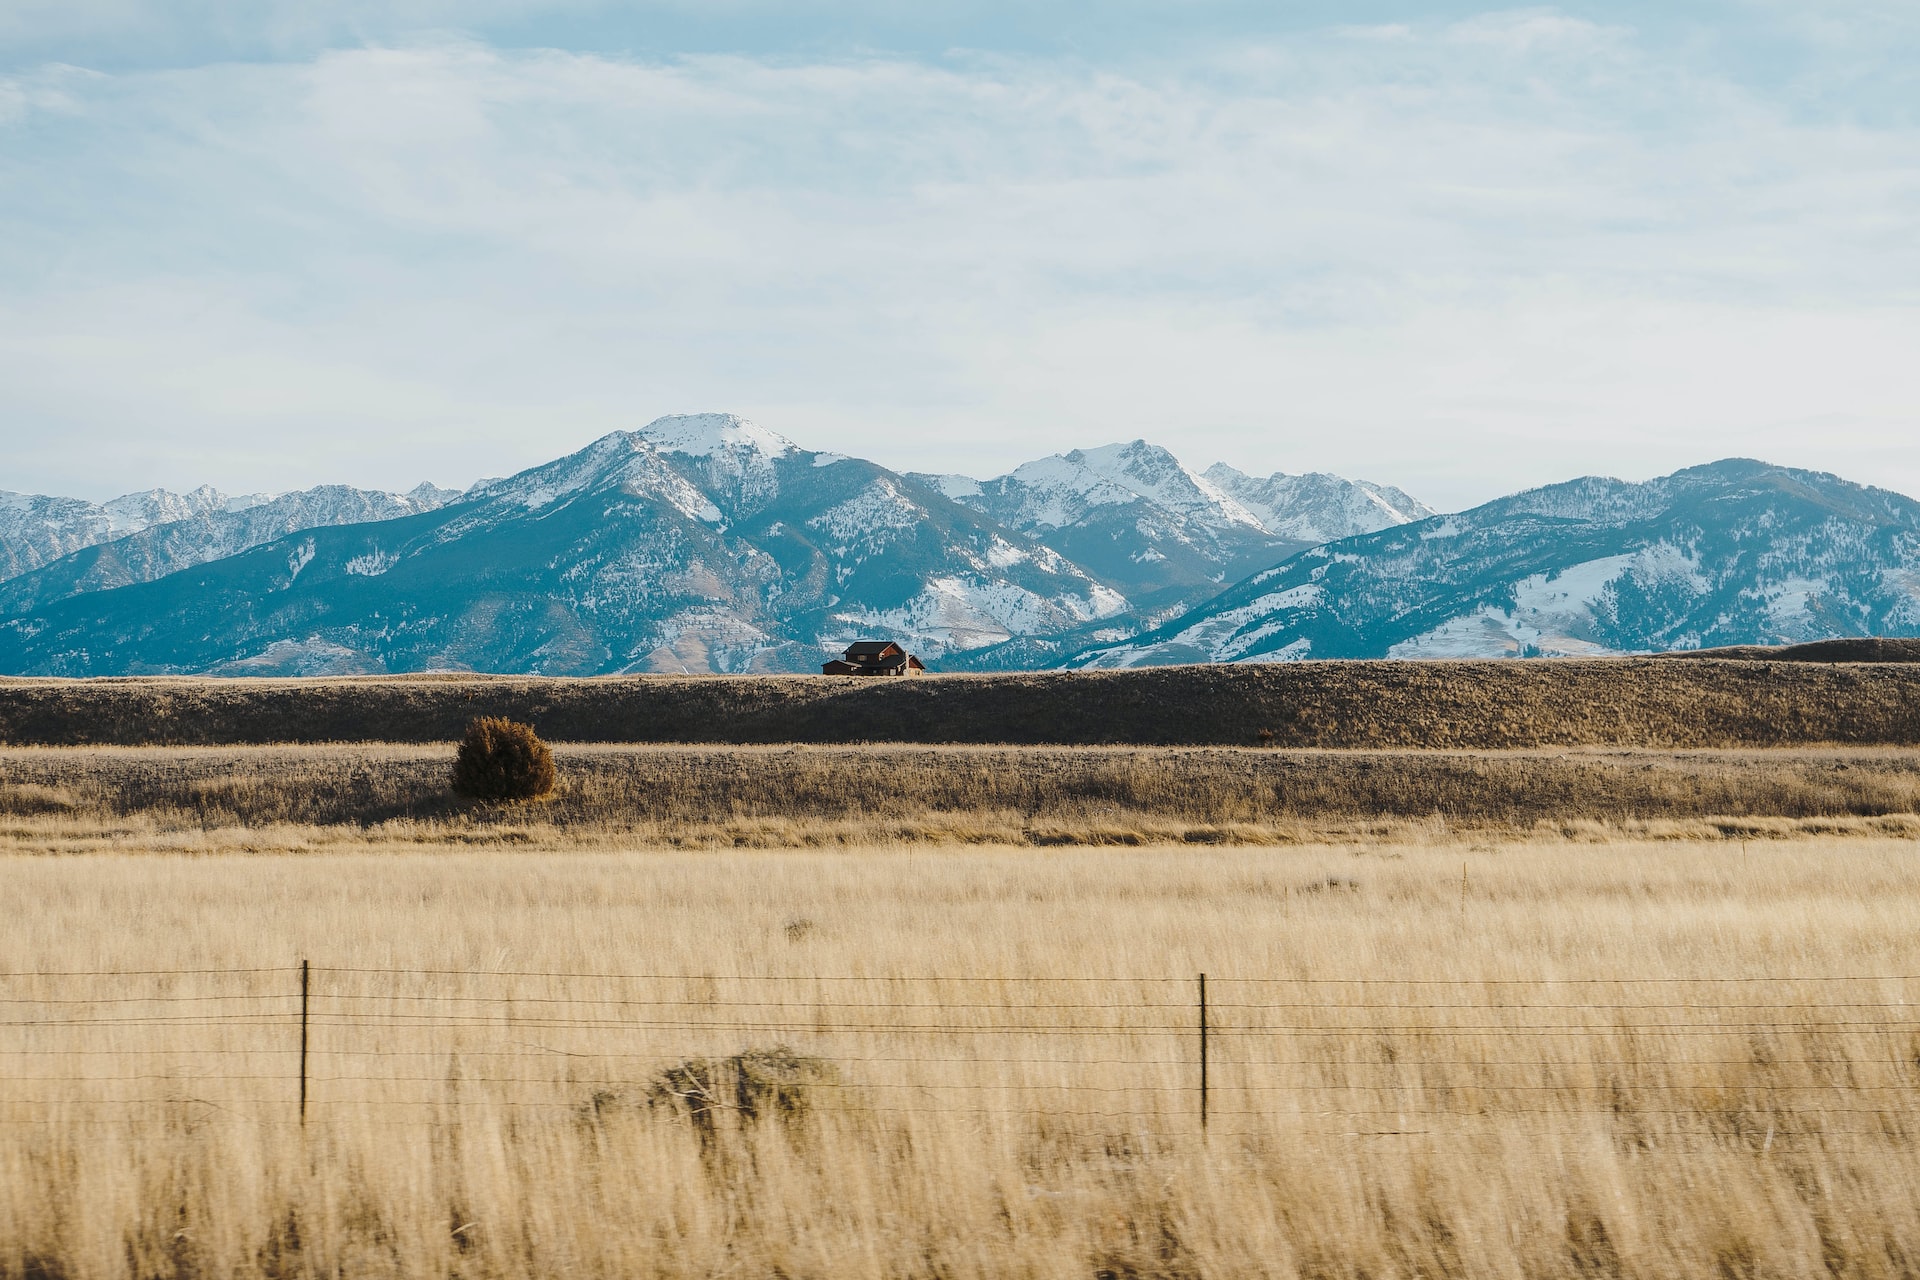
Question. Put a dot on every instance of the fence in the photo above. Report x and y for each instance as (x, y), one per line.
(1763, 1062)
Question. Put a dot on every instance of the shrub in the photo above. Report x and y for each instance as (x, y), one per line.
(502, 760)
(772, 1083)
(27, 798)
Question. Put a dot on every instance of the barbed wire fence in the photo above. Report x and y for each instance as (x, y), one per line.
(1759, 1062)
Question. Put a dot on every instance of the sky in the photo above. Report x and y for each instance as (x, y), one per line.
(1459, 249)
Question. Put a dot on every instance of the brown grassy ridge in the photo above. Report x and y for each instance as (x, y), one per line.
(812, 795)
(1475, 705)
(1843, 649)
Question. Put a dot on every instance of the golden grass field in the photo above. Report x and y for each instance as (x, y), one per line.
(1432, 1054)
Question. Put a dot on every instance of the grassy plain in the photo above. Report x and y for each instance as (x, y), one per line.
(1432, 1054)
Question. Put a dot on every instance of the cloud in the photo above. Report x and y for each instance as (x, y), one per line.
(1479, 254)
(53, 89)
(1532, 31)
(1393, 32)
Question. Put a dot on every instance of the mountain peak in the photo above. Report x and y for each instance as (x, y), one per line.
(1117, 474)
(1317, 507)
(132, 512)
(702, 435)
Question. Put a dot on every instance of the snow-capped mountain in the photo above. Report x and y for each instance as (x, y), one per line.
(706, 543)
(157, 532)
(1166, 537)
(1067, 489)
(700, 543)
(1317, 507)
(35, 528)
(1162, 534)
(1738, 552)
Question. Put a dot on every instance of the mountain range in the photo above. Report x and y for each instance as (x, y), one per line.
(698, 543)
(1159, 533)
(144, 536)
(1734, 553)
(707, 543)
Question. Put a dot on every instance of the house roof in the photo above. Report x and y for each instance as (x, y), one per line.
(871, 649)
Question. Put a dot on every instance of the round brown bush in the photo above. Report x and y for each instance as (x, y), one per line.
(502, 760)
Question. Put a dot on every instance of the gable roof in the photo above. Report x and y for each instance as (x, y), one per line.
(867, 650)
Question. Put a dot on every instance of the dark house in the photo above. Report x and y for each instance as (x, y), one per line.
(874, 658)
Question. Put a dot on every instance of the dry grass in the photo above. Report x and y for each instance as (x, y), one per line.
(1644, 702)
(1568, 1060)
(65, 798)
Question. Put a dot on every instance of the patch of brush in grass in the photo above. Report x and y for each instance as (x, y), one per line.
(31, 798)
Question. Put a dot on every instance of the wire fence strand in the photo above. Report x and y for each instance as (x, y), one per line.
(1809, 1058)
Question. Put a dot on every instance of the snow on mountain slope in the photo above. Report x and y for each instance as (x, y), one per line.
(1738, 552)
(36, 528)
(737, 458)
(955, 614)
(1062, 489)
(712, 466)
(869, 522)
(1317, 507)
(1162, 535)
(624, 460)
(712, 544)
(705, 543)
(174, 530)
(1549, 612)
(952, 486)
(134, 512)
(693, 544)
(1068, 489)
(704, 435)
(1145, 525)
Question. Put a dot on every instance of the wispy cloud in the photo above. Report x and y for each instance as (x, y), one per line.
(1532, 31)
(1472, 253)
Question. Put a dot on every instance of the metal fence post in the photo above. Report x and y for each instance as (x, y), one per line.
(304, 989)
(1203, 1053)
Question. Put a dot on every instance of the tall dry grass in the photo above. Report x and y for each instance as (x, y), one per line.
(1445, 1058)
